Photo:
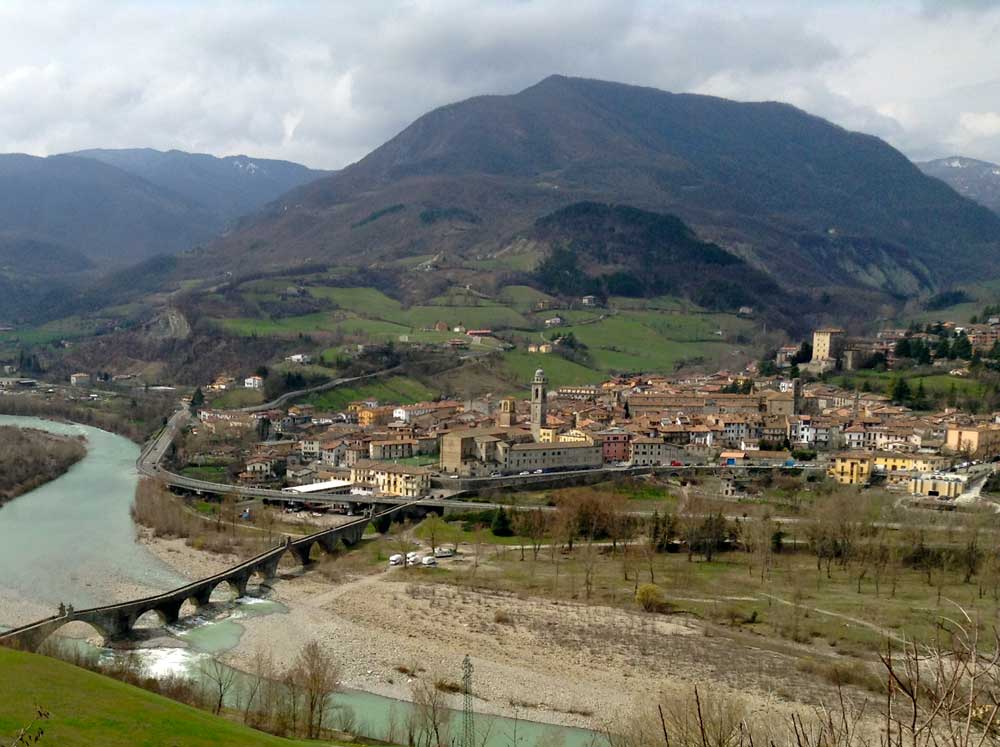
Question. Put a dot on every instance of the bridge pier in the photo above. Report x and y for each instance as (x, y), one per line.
(112, 625)
(328, 542)
(170, 611)
(352, 535)
(202, 597)
(269, 569)
(239, 585)
(303, 551)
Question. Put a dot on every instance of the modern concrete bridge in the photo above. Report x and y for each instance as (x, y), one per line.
(114, 621)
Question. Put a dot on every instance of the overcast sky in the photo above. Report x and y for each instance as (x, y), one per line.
(324, 82)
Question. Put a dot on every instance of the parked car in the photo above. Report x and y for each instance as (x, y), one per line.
(428, 561)
(522, 474)
(395, 559)
(444, 552)
(538, 472)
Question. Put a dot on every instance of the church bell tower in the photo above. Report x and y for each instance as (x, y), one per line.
(539, 402)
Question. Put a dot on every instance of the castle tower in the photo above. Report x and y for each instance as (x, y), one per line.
(539, 402)
(506, 415)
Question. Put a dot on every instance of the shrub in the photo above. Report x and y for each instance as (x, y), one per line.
(503, 617)
(448, 686)
(650, 598)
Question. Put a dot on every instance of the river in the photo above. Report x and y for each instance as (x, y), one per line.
(72, 540)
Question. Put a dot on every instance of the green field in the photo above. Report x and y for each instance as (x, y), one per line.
(287, 327)
(657, 334)
(394, 390)
(61, 329)
(235, 398)
(89, 710)
(521, 366)
(522, 297)
(368, 301)
(934, 383)
(649, 341)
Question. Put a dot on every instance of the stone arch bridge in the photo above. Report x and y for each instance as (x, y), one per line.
(115, 621)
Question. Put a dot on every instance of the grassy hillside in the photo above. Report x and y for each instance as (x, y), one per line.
(88, 709)
(395, 390)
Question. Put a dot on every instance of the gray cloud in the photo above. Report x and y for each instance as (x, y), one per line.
(325, 82)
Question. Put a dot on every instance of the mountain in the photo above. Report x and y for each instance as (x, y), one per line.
(67, 218)
(795, 196)
(79, 205)
(977, 180)
(228, 187)
(615, 250)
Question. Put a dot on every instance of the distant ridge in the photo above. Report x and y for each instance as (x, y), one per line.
(977, 180)
(229, 187)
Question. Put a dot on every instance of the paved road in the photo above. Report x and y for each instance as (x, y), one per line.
(332, 384)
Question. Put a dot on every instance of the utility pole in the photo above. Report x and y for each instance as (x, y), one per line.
(469, 727)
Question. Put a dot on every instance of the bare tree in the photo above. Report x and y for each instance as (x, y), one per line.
(261, 670)
(318, 677)
(432, 529)
(534, 525)
(220, 679)
(431, 714)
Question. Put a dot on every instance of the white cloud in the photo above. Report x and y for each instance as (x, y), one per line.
(325, 82)
(985, 124)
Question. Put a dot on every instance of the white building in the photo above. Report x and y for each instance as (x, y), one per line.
(253, 382)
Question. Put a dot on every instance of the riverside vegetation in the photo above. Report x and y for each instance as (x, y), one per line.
(30, 457)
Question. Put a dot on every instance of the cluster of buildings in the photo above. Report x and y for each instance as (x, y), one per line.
(649, 421)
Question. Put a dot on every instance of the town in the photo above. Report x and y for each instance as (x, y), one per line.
(729, 420)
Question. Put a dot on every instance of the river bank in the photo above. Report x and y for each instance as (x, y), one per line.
(30, 457)
(562, 663)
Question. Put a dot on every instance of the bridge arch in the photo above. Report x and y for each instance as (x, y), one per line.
(151, 618)
(33, 640)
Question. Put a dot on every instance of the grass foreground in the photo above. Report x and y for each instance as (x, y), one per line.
(89, 709)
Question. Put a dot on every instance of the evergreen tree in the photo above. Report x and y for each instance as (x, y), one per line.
(899, 390)
(197, 400)
(922, 354)
(501, 524)
(962, 348)
(943, 348)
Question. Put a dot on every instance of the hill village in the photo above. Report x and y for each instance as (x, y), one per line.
(742, 420)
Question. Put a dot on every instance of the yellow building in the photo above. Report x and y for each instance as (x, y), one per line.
(979, 441)
(375, 416)
(576, 436)
(937, 485)
(828, 344)
(548, 435)
(851, 468)
(392, 479)
(858, 467)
